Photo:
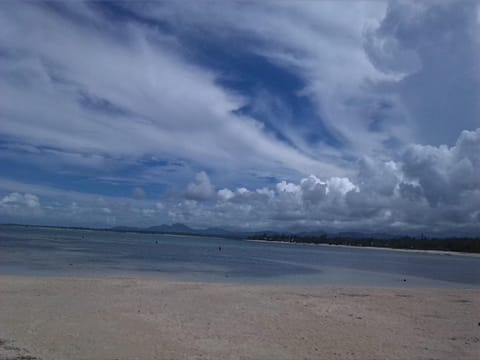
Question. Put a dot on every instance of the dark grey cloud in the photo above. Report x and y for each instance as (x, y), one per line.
(433, 46)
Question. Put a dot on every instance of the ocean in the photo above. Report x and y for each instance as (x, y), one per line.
(72, 252)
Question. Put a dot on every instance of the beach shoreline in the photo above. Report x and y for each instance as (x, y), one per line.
(133, 317)
(438, 252)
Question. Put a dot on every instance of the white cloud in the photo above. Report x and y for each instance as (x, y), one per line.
(382, 79)
(430, 189)
(381, 74)
(201, 189)
(60, 207)
(340, 185)
(16, 206)
(16, 199)
(446, 174)
(134, 96)
(327, 50)
(287, 187)
(225, 194)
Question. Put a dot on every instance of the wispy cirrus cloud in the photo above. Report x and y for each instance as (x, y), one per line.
(129, 95)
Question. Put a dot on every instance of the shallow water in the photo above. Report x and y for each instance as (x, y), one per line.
(64, 252)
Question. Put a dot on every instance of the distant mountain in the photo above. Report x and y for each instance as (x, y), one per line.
(126, 228)
(182, 229)
(220, 232)
(172, 229)
(358, 235)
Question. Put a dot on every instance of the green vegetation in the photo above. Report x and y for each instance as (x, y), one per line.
(459, 244)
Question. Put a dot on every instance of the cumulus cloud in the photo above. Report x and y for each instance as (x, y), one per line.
(445, 175)
(62, 207)
(225, 194)
(16, 199)
(201, 189)
(429, 189)
(16, 206)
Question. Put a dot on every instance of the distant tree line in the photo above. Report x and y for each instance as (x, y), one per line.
(459, 244)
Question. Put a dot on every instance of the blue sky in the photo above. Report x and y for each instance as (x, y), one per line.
(289, 115)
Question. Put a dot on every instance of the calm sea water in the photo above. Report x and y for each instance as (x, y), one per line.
(61, 252)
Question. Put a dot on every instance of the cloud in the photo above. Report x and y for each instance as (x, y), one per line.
(19, 206)
(225, 194)
(445, 174)
(434, 47)
(138, 193)
(380, 74)
(72, 208)
(365, 72)
(16, 199)
(201, 189)
(321, 115)
(326, 51)
(431, 189)
(134, 96)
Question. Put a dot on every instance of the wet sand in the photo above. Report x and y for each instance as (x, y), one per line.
(133, 318)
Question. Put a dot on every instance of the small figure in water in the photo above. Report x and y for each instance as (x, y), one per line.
(219, 248)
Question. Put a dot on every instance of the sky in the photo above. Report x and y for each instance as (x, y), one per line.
(280, 115)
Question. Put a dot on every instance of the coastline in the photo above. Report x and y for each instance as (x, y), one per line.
(438, 252)
(132, 317)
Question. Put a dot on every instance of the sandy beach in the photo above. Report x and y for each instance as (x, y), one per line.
(438, 252)
(133, 318)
